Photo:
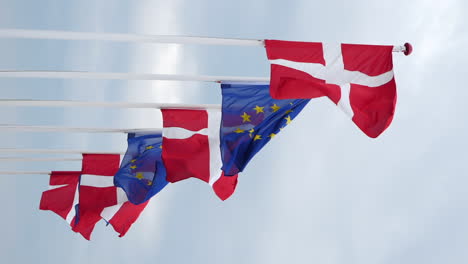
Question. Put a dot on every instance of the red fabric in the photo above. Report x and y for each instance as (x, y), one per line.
(372, 60)
(101, 164)
(64, 177)
(94, 199)
(60, 200)
(225, 186)
(190, 157)
(295, 51)
(85, 229)
(193, 120)
(126, 216)
(185, 158)
(373, 107)
(286, 83)
(97, 198)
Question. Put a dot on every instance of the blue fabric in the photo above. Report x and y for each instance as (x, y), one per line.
(250, 119)
(142, 173)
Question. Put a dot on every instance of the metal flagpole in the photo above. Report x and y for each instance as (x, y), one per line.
(56, 151)
(24, 172)
(69, 35)
(27, 102)
(38, 159)
(127, 76)
(26, 128)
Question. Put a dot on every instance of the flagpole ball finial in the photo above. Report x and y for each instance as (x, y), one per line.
(408, 49)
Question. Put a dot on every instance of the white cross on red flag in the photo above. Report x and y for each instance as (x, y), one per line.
(84, 197)
(191, 148)
(358, 78)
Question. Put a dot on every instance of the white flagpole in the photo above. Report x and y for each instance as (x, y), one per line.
(27, 102)
(56, 151)
(24, 172)
(69, 35)
(9, 159)
(26, 128)
(127, 76)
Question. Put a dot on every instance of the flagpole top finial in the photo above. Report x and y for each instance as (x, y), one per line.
(408, 49)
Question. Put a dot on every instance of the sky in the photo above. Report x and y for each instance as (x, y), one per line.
(321, 192)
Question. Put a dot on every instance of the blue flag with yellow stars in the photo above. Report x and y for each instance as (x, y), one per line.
(142, 173)
(250, 119)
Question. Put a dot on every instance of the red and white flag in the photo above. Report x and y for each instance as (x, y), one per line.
(191, 148)
(358, 78)
(62, 196)
(83, 198)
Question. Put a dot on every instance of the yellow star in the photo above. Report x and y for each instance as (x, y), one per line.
(251, 131)
(289, 111)
(149, 147)
(259, 109)
(272, 135)
(133, 167)
(133, 160)
(245, 118)
(238, 131)
(150, 182)
(160, 146)
(257, 137)
(291, 103)
(139, 175)
(288, 120)
(275, 108)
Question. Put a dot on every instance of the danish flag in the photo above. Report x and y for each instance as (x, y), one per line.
(191, 148)
(62, 196)
(358, 78)
(84, 197)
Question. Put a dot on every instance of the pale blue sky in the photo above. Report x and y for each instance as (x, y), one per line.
(321, 192)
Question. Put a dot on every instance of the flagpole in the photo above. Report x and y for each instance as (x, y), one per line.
(27, 102)
(24, 172)
(70, 35)
(138, 38)
(9, 159)
(56, 151)
(127, 76)
(27, 128)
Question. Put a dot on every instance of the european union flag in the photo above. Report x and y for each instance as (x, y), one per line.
(142, 173)
(250, 119)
